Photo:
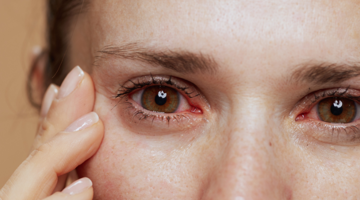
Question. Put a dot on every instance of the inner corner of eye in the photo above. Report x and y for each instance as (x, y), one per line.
(189, 106)
(301, 116)
(196, 110)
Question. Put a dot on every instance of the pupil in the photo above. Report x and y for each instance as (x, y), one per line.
(160, 99)
(336, 107)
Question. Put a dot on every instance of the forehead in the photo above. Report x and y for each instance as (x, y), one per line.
(275, 31)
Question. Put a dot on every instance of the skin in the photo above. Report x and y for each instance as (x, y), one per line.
(56, 150)
(250, 148)
(248, 143)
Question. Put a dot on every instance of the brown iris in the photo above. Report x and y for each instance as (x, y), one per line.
(160, 99)
(337, 110)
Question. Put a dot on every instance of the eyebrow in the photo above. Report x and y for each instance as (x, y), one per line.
(324, 73)
(179, 60)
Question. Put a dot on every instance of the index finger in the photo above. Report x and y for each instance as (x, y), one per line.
(75, 98)
(37, 176)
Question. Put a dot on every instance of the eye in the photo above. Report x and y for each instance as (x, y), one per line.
(158, 105)
(337, 110)
(161, 99)
(330, 116)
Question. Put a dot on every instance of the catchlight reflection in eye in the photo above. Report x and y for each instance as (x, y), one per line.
(160, 99)
(337, 110)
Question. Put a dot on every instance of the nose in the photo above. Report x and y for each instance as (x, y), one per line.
(251, 166)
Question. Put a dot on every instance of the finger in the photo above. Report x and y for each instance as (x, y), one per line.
(72, 177)
(79, 190)
(74, 99)
(75, 82)
(38, 174)
(49, 96)
(65, 180)
(60, 183)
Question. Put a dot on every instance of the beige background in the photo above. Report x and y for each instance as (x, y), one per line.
(21, 28)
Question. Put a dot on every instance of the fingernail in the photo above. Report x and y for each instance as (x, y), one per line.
(78, 186)
(83, 122)
(71, 81)
(50, 94)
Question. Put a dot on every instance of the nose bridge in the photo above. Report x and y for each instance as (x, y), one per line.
(247, 169)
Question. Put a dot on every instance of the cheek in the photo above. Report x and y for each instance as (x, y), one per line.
(129, 169)
(131, 166)
(125, 169)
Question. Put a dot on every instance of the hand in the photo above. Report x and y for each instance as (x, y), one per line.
(69, 134)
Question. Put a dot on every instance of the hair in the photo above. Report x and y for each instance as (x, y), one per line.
(59, 18)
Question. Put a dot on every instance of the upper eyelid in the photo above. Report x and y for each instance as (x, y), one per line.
(334, 93)
(315, 97)
(310, 100)
(152, 80)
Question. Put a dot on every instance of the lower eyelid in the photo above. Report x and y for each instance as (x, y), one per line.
(331, 133)
(339, 134)
(156, 123)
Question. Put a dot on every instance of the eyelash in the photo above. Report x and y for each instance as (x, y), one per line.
(123, 91)
(340, 133)
(336, 93)
(140, 113)
(320, 95)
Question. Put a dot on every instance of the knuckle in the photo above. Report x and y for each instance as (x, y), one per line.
(46, 131)
(44, 148)
(40, 150)
(46, 127)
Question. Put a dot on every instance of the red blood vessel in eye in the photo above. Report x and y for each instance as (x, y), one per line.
(160, 99)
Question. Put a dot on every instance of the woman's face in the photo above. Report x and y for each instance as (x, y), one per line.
(223, 99)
